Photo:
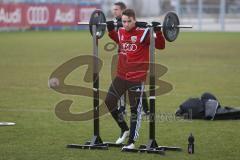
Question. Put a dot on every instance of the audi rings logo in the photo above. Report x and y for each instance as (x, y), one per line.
(129, 47)
(38, 15)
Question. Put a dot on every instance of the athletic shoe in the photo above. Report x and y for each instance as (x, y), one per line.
(122, 137)
(129, 146)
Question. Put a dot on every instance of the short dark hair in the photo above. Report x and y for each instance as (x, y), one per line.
(121, 5)
(129, 13)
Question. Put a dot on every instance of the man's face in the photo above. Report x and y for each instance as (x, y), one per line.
(128, 22)
(117, 12)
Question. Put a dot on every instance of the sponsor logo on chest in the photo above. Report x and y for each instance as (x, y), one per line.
(128, 47)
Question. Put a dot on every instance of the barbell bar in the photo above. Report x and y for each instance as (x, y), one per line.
(148, 25)
(170, 26)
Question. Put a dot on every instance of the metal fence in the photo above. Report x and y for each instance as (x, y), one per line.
(204, 15)
(223, 15)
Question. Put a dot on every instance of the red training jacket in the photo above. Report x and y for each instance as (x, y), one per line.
(133, 54)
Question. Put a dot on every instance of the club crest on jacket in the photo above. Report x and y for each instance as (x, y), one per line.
(134, 39)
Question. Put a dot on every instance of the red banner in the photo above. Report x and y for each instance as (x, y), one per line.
(43, 15)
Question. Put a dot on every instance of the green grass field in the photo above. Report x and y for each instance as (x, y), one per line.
(196, 62)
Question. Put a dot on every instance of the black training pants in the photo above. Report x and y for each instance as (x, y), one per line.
(135, 92)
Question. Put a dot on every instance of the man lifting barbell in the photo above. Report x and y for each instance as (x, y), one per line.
(133, 62)
(117, 10)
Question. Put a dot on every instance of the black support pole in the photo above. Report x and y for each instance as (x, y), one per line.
(152, 143)
(96, 141)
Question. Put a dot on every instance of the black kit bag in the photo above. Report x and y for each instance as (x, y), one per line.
(192, 108)
(206, 107)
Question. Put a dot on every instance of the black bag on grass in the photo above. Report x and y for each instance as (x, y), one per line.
(206, 107)
(191, 108)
